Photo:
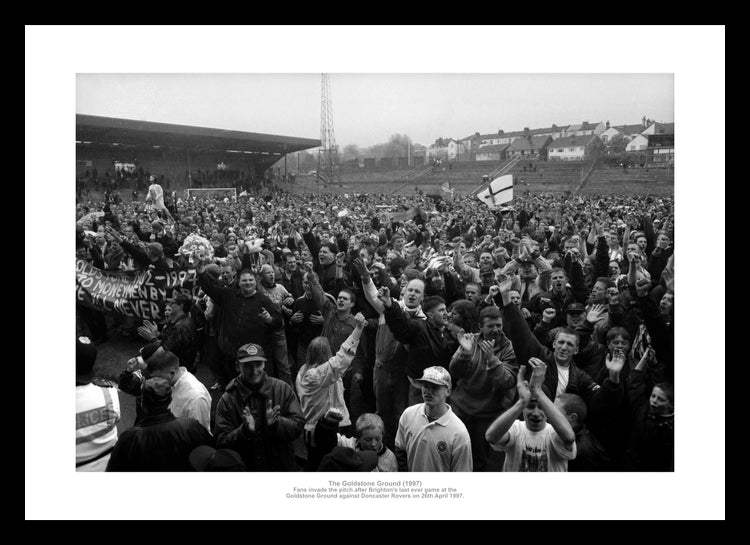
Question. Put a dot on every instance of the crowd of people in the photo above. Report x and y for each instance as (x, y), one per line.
(120, 184)
(388, 333)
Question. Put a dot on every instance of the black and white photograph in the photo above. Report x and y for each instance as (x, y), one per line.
(297, 271)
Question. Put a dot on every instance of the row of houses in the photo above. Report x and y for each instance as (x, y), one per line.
(569, 143)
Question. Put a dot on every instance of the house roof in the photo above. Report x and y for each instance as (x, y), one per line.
(492, 148)
(523, 143)
(641, 136)
(586, 126)
(630, 129)
(516, 134)
(664, 128)
(547, 130)
(574, 141)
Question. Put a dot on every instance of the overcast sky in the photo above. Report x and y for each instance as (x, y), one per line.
(368, 108)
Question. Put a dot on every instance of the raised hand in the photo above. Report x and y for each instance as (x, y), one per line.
(642, 287)
(247, 416)
(360, 319)
(334, 414)
(595, 313)
(360, 267)
(503, 252)
(493, 291)
(505, 285)
(522, 385)
(265, 316)
(515, 282)
(134, 364)
(538, 372)
(148, 331)
(615, 362)
(114, 234)
(466, 341)
(384, 294)
(632, 270)
(649, 357)
(340, 259)
(548, 316)
(272, 412)
(487, 348)
(613, 296)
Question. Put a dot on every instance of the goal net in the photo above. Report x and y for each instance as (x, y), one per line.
(213, 192)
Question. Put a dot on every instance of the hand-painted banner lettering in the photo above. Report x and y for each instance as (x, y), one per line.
(132, 293)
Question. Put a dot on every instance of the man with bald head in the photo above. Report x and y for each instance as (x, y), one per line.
(389, 377)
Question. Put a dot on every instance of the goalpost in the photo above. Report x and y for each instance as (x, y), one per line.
(219, 192)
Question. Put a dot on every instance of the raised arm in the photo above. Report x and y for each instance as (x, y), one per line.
(312, 243)
(554, 416)
(208, 284)
(574, 272)
(461, 361)
(404, 328)
(497, 433)
(648, 228)
(318, 295)
(525, 344)
(368, 286)
(601, 261)
(329, 372)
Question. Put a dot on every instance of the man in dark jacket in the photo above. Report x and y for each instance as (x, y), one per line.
(429, 342)
(247, 316)
(259, 416)
(159, 442)
(324, 261)
(179, 335)
(152, 257)
(484, 371)
(562, 375)
(559, 297)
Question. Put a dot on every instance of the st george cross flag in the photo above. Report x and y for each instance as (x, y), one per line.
(498, 192)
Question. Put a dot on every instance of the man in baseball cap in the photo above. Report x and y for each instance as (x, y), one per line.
(258, 416)
(430, 436)
(251, 362)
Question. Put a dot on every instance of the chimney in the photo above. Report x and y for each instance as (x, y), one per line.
(608, 124)
(643, 121)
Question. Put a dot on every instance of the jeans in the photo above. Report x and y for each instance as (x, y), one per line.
(281, 362)
(477, 427)
(391, 395)
(215, 361)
